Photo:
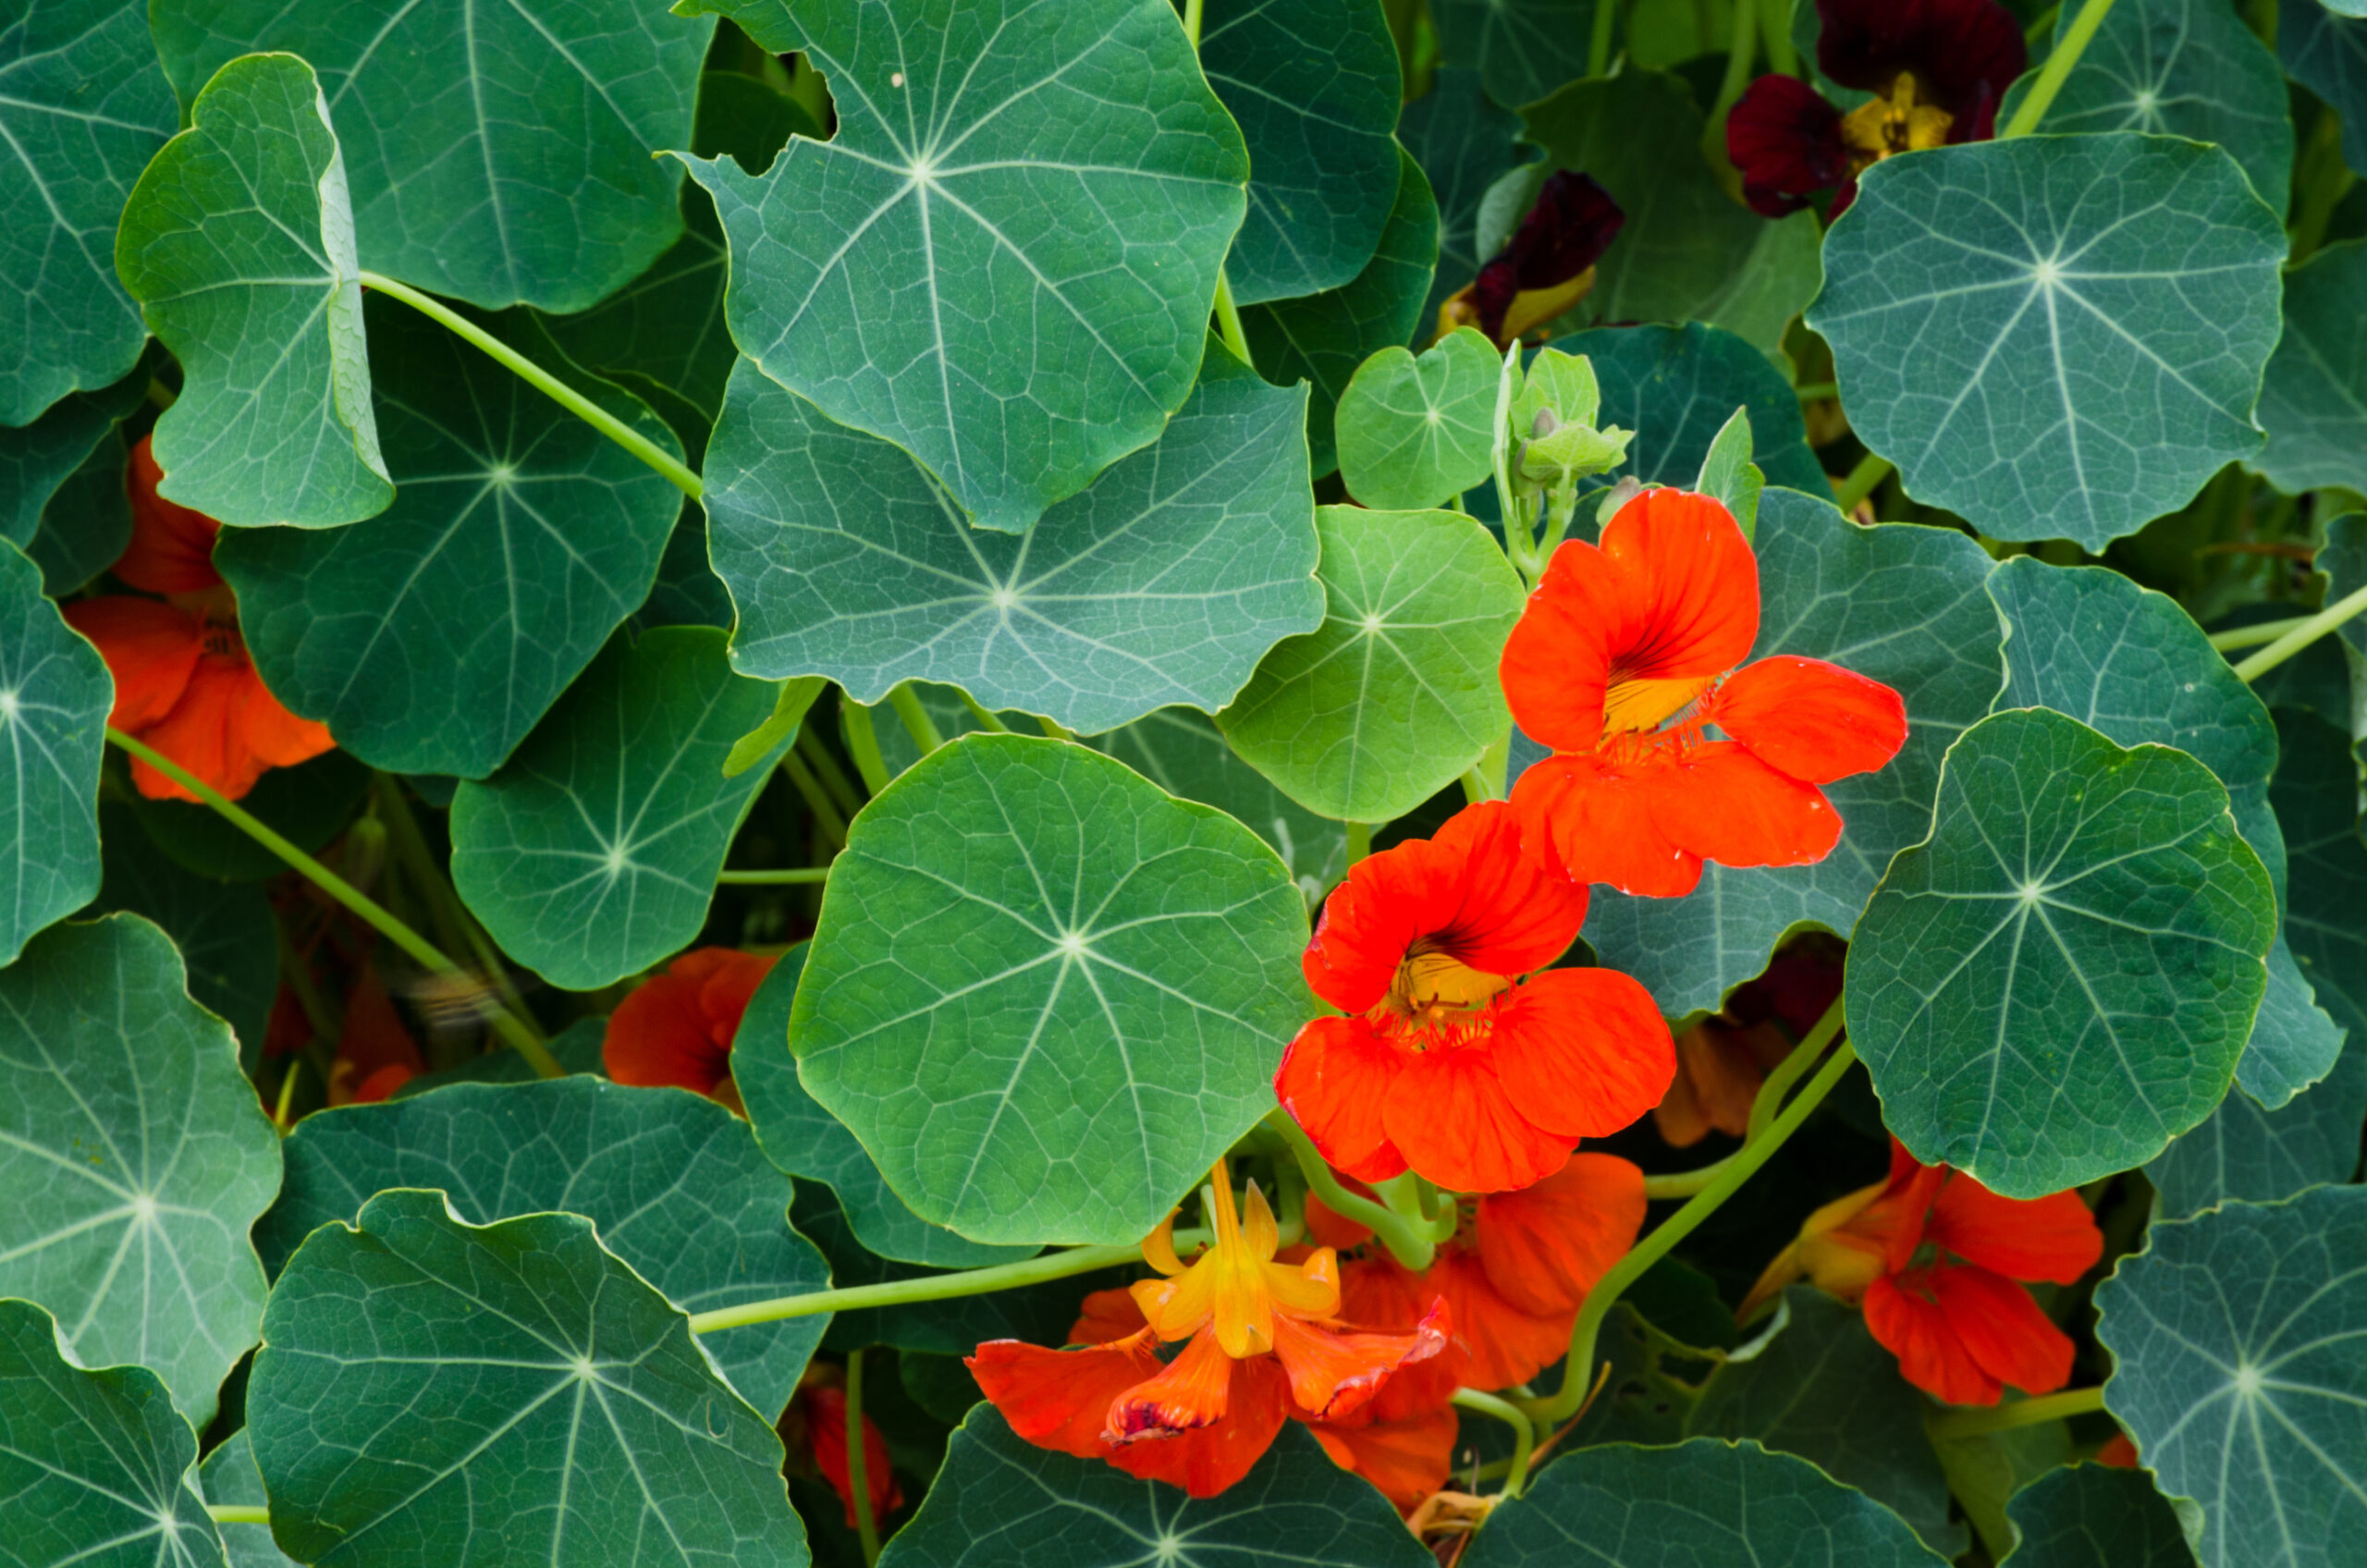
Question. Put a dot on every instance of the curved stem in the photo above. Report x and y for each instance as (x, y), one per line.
(412, 844)
(2021, 1412)
(1229, 323)
(1683, 1183)
(1523, 1433)
(858, 1467)
(1404, 1239)
(933, 1287)
(789, 878)
(239, 1513)
(1863, 480)
(510, 1027)
(917, 723)
(551, 386)
(863, 744)
(2237, 637)
(2302, 635)
(2051, 76)
(817, 799)
(1789, 1071)
(988, 720)
(825, 768)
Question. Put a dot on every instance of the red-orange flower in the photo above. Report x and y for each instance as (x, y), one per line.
(1935, 1256)
(1626, 657)
(375, 1055)
(676, 1028)
(814, 1426)
(1449, 1063)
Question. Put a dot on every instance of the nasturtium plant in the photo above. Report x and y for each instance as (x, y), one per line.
(941, 783)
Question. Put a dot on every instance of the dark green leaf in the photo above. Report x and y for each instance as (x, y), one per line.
(54, 694)
(1523, 49)
(2327, 54)
(2316, 793)
(2313, 403)
(87, 521)
(1464, 143)
(1414, 431)
(37, 458)
(1184, 755)
(1675, 387)
(308, 804)
(2260, 1155)
(687, 592)
(1987, 1469)
(2057, 337)
(2060, 979)
(2090, 1516)
(223, 929)
(576, 1048)
(229, 1475)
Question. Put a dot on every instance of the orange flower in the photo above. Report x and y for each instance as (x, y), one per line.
(1720, 1067)
(676, 1028)
(1449, 1063)
(1626, 657)
(1262, 1341)
(1935, 1257)
(172, 548)
(816, 1425)
(375, 1055)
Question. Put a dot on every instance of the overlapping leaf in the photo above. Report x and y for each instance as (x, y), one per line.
(2314, 793)
(2056, 338)
(2327, 54)
(2313, 401)
(223, 930)
(306, 804)
(86, 522)
(1523, 49)
(53, 699)
(1413, 430)
(37, 460)
(1005, 259)
(2092, 1516)
(1185, 755)
(1676, 387)
(1044, 995)
(229, 1476)
(2262, 1156)
(1464, 143)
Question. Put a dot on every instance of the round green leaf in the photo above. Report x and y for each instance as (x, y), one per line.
(1412, 431)
(498, 154)
(1464, 143)
(2313, 403)
(1701, 1504)
(2093, 1516)
(592, 853)
(54, 694)
(2057, 337)
(1164, 582)
(83, 108)
(2060, 979)
(135, 1155)
(2237, 1339)
(229, 1475)
(222, 929)
(674, 1181)
(1004, 260)
(237, 243)
(2327, 54)
(1523, 49)
(92, 1462)
(1044, 995)
(432, 637)
(1395, 695)
(1001, 1498)
(434, 1392)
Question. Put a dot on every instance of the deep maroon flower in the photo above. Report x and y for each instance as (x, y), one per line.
(1937, 70)
(1549, 265)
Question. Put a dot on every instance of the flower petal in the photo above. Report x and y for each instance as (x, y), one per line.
(172, 546)
(1567, 232)
(1722, 804)
(825, 1425)
(1333, 1079)
(205, 732)
(1501, 1345)
(1518, 910)
(1597, 819)
(1544, 1247)
(2002, 1329)
(657, 1037)
(1910, 1325)
(1457, 1124)
(1406, 1459)
(1062, 1398)
(2050, 1238)
(1963, 50)
(1689, 602)
(1813, 720)
(1787, 141)
(1333, 1374)
(151, 650)
(1106, 1317)
(1556, 664)
(1581, 1053)
(1207, 1460)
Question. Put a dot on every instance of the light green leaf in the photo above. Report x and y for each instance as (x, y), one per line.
(791, 703)
(237, 243)
(1005, 259)
(1164, 582)
(1523, 49)
(136, 1156)
(592, 853)
(674, 1181)
(83, 108)
(1729, 477)
(54, 694)
(2327, 54)
(2057, 337)
(498, 154)
(2313, 403)
(1414, 431)
(1002, 1498)
(1766, 294)
(1396, 694)
(1676, 387)
(2236, 1342)
(1183, 753)
(1323, 338)
(37, 460)
(1899, 603)
(432, 637)
(2060, 979)
(92, 1462)
(434, 1392)
(2260, 1155)
(1464, 143)
(222, 929)
(229, 1476)
(2316, 793)
(805, 1140)
(1314, 86)
(1702, 1504)
(2176, 68)
(2093, 1516)
(1045, 995)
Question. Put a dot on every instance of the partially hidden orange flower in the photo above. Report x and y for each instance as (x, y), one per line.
(815, 1427)
(1448, 1063)
(676, 1028)
(1262, 1340)
(1625, 657)
(375, 1055)
(1937, 1260)
(1719, 1067)
(183, 682)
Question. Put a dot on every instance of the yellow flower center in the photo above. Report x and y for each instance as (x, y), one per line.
(1897, 122)
(1235, 1284)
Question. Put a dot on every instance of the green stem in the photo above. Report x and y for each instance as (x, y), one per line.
(1775, 22)
(1598, 45)
(529, 1045)
(929, 1287)
(1577, 1373)
(287, 1095)
(2237, 637)
(1359, 840)
(862, 743)
(558, 391)
(988, 720)
(2038, 30)
(1229, 323)
(817, 800)
(2058, 67)
(239, 1513)
(1053, 729)
(791, 877)
(1742, 53)
(1401, 1236)
(1816, 391)
(826, 767)
(1683, 1183)
(1862, 482)
(1523, 1433)
(453, 916)
(2290, 643)
(1789, 1071)
(1475, 786)
(298, 978)
(858, 1465)
(2021, 1412)
(917, 723)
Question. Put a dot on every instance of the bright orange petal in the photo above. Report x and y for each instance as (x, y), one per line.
(1456, 1123)
(1501, 1345)
(1690, 595)
(2050, 1238)
(1556, 664)
(1582, 1052)
(1408, 1458)
(2119, 1452)
(2008, 1337)
(172, 546)
(1909, 1324)
(1333, 1374)
(1597, 819)
(271, 733)
(205, 732)
(724, 996)
(1192, 1391)
(1813, 720)
(1518, 912)
(151, 650)
(1207, 1460)
(1062, 1398)
(1333, 1080)
(1544, 1247)
(1106, 1316)
(1721, 803)
(659, 1036)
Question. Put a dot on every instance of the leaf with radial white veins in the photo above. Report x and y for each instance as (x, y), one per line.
(1164, 582)
(228, 1478)
(435, 1393)
(135, 1155)
(222, 929)
(2316, 793)
(2237, 1340)
(54, 694)
(2134, 667)
(2327, 54)
(674, 1181)
(1523, 49)
(1899, 603)
(2314, 402)
(1395, 695)
(499, 154)
(1002, 1497)
(1313, 85)
(1701, 1504)
(1414, 430)
(1323, 338)
(2262, 1156)
(592, 853)
(432, 637)
(83, 108)
(37, 460)
(1018, 299)
(1043, 994)
(2096, 1516)
(1185, 755)
(92, 1463)
(2060, 979)
(2055, 337)
(1464, 143)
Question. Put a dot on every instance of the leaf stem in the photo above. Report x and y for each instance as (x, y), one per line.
(1229, 322)
(551, 386)
(858, 1464)
(1862, 482)
(1598, 44)
(1404, 1239)
(2021, 1412)
(862, 743)
(1058, 1265)
(510, 1027)
(2290, 643)
(1359, 840)
(1789, 1071)
(2057, 69)
(1775, 22)
(917, 723)
(453, 915)
(817, 800)
(1523, 1433)
(988, 720)
(1816, 391)
(1683, 1183)
(826, 767)
(791, 877)
(239, 1513)
(2252, 636)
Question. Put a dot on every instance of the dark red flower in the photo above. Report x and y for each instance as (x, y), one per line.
(1549, 265)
